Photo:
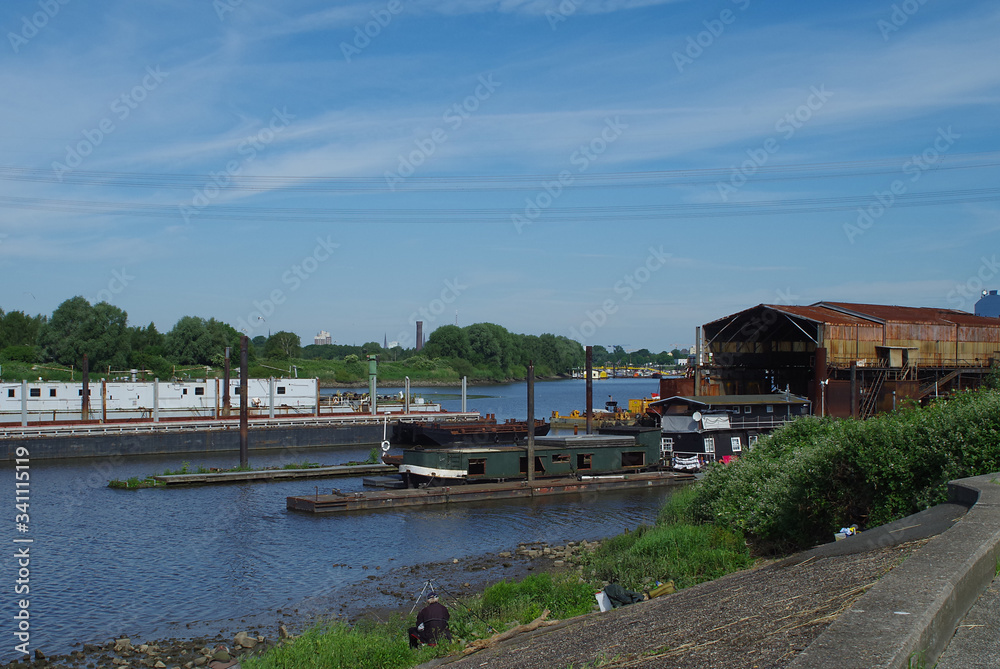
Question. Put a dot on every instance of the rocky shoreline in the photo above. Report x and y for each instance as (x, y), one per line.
(383, 593)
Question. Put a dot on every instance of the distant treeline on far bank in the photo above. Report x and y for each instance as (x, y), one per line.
(53, 347)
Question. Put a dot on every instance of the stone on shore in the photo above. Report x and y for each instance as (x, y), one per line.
(245, 640)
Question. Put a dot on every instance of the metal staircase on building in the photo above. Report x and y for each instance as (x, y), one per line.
(937, 383)
(870, 401)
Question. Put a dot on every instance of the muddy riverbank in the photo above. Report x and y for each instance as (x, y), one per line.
(384, 592)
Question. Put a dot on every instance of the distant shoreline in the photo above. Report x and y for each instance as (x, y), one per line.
(396, 383)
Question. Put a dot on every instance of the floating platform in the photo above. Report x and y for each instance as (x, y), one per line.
(391, 499)
(210, 478)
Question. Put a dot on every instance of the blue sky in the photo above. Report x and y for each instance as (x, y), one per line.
(618, 171)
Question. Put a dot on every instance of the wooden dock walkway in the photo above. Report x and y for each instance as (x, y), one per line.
(474, 492)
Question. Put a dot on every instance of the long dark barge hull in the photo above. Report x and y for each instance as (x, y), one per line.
(188, 439)
(471, 433)
(392, 499)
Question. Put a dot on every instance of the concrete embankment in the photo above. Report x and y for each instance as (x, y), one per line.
(908, 618)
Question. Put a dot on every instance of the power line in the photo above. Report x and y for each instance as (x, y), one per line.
(456, 183)
(488, 215)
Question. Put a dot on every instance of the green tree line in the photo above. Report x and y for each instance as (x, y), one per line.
(102, 332)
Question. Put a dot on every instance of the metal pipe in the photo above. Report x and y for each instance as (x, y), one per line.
(590, 390)
(85, 402)
(244, 402)
(24, 403)
(156, 399)
(406, 394)
(697, 361)
(373, 383)
(854, 388)
(104, 399)
(465, 380)
(531, 420)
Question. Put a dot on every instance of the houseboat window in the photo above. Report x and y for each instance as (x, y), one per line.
(10, 392)
(737, 445)
(736, 409)
(477, 466)
(770, 408)
(236, 390)
(199, 390)
(753, 440)
(583, 460)
(633, 459)
(710, 444)
(81, 392)
(562, 458)
(666, 443)
(802, 409)
(185, 392)
(34, 392)
(747, 409)
(539, 466)
(52, 392)
(281, 390)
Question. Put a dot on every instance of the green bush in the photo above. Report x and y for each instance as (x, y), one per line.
(813, 476)
(19, 354)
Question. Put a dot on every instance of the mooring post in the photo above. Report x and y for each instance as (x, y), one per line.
(156, 400)
(590, 390)
(531, 420)
(270, 397)
(406, 394)
(244, 403)
(465, 381)
(24, 402)
(85, 402)
(225, 389)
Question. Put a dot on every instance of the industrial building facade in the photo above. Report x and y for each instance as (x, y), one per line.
(848, 359)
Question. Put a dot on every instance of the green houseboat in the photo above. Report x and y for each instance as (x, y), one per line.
(555, 456)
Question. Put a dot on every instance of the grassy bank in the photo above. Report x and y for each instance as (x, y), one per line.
(385, 645)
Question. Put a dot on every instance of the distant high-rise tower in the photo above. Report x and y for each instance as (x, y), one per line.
(322, 338)
(989, 305)
(420, 335)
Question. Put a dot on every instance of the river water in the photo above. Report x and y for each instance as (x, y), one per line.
(149, 562)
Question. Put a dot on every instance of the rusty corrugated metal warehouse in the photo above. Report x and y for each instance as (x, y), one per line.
(849, 359)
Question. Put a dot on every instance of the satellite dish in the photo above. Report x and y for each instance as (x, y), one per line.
(697, 415)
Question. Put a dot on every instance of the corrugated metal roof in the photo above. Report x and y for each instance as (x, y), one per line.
(819, 314)
(715, 400)
(926, 315)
